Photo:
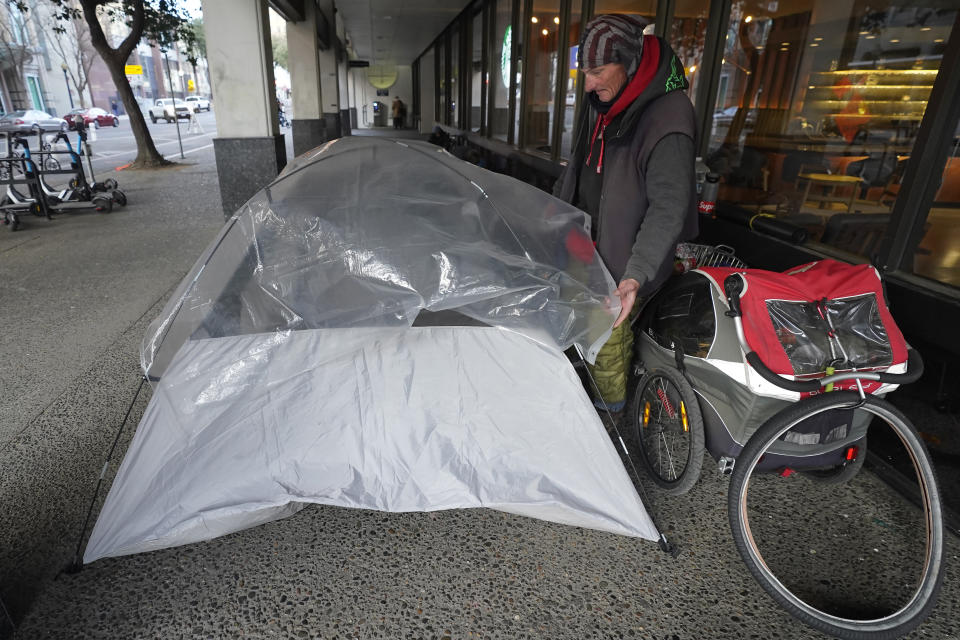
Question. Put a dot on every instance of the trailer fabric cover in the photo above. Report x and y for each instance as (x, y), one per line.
(244, 430)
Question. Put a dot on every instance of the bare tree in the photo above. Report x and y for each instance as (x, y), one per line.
(14, 50)
(160, 21)
(74, 48)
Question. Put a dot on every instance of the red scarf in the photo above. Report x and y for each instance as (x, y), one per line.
(647, 68)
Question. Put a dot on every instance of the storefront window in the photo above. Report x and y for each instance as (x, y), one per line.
(817, 113)
(477, 76)
(441, 84)
(454, 77)
(499, 86)
(688, 33)
(544, 28)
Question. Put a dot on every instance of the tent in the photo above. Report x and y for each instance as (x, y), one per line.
(382, 327)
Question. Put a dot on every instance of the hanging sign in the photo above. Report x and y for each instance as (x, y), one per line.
(133, 69)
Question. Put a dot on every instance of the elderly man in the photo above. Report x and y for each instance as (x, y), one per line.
(632, 170)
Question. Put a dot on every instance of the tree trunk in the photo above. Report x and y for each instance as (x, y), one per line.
(115, 59)
(147, 154)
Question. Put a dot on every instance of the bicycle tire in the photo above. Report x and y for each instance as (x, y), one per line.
(677, 393)
(922, 600)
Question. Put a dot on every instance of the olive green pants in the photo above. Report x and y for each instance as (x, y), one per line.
(613, 362)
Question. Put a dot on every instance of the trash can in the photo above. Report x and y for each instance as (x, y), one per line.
(379, 114)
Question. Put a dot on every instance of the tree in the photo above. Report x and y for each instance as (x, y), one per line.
(73, 46)
(279, 50)
(162, 22)
(14, 52)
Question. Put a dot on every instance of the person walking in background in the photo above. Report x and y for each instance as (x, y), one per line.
(632, 171)
(115, 107)
(396, 111)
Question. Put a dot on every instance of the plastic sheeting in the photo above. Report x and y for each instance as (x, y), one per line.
(243, 430)
(366, 232)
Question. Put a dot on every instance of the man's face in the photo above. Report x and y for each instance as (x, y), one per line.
(606, 80)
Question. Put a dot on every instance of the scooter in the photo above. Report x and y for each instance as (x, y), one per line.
(98, 202)
(78, 188)
(84, 149)
(10, 168)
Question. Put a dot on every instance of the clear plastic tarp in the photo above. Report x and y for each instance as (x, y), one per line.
(367, 232)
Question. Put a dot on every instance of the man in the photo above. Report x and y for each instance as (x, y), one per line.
(632, 170)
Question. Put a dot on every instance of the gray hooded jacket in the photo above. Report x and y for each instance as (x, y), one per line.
(647, 199)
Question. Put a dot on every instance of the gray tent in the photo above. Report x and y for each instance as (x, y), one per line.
(382, 327)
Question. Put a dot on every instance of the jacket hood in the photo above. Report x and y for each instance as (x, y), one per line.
(669, 76)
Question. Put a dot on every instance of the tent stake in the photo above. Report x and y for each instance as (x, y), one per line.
(77, 565)
(664, 544)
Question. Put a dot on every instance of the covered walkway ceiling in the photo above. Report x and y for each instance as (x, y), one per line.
(395, 31)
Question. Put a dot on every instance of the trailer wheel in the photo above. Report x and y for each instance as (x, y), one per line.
(102, 204)
(669, 429)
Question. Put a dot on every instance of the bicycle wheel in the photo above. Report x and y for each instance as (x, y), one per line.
(669, 429)
(813, 567)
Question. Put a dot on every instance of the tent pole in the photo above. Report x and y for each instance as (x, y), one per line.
(665, 545)
(77, 564)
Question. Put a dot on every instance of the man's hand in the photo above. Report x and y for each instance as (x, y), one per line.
(627, 292)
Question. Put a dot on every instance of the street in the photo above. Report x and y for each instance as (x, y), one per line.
(115, 147)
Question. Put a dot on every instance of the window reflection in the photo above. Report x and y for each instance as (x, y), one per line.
(570, 81)
(499, 86)
(818, 108)
(477, 77)
(688, 34)
(453, 93)
(544, 29)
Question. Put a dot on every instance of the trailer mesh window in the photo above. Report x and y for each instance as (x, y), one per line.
(804, 329)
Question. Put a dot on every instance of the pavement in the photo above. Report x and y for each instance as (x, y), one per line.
(76, 295)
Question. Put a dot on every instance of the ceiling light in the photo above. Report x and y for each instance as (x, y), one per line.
(938, 40)
(556, 20)
(871, 37)
(924, 28)
(818, 39)
(894, 40)
(748, 19)
(814, 44)
(534, 20)
(784, 44)
(545, 32)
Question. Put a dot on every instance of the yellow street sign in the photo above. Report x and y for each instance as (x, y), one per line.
(133, 69)
(190, 85)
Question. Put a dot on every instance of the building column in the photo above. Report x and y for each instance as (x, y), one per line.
(329, 90)
(249, 147)
(308, 127)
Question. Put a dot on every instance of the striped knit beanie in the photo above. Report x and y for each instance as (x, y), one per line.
(612, 38)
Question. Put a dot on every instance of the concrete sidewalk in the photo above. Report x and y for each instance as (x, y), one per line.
(76, 295)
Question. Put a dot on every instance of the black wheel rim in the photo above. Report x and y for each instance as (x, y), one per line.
(663, 429)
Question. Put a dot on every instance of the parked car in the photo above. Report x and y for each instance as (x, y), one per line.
(30, 121)
(92, 117)
(169, 109)
(198, 103)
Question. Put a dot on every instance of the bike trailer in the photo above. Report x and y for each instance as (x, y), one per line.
(816, 319)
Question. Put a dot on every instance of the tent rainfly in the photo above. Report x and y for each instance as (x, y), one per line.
(382, 327)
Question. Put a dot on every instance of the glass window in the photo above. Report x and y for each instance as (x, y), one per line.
(454, 92)
(646, 9)
(688, 32)
(818, 111)
(544, 28)
(478, 78)
(500, 77)
(570, 81)
(441, 83)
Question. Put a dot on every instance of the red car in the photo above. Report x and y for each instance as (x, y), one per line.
(93, 117)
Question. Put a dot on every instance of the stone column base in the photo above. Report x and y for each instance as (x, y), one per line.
(308, 133)
(246, 165)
